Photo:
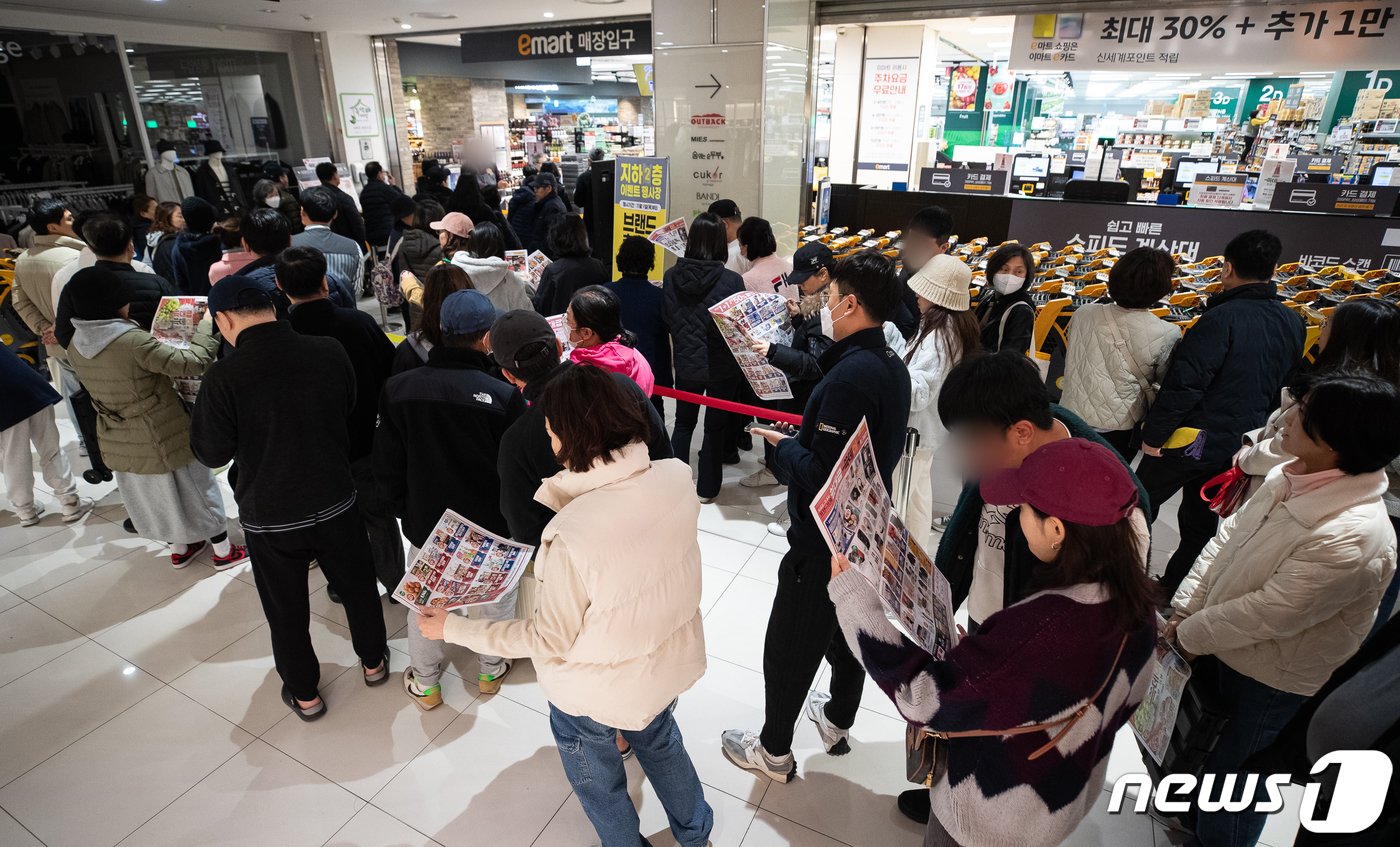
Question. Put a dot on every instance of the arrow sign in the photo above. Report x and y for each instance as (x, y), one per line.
(716, 86)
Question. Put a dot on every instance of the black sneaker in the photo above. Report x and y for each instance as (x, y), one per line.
(915, 805)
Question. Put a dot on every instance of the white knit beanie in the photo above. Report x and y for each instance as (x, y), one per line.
(944, 281)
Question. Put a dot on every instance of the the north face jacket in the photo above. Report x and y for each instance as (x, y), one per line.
(691, 287)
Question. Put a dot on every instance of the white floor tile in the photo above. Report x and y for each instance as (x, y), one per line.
(571, 827)
(31, 638)
(769, 830)
(48, 709)
(724, 553)
(1100, 828)
(8, 600)
(734, 523)
(13, 536)
(122, 773)
(110, 594)
(778, 543)
(260, 796)
(735, 627)
(727, 697)
(372, 827)
(14, 835)
(62, 556)
(763, 565)
(1281, 829)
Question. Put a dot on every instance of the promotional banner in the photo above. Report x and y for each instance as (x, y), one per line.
(640, 191)
(888, 106)
(1001, 88)
(962, 88)
(1313, 37)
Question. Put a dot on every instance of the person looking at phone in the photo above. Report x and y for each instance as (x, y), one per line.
(862, 379)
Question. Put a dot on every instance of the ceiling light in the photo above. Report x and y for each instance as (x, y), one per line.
(667, 43)
(433, 16)
(131, 49)
(549, 14)
(1251, 73)
(405, 26)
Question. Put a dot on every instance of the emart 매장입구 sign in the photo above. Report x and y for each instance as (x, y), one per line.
(569, 41)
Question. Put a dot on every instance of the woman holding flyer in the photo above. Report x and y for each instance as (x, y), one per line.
(1027, 705)
(142, 426)
(616, 635)
(594, 321)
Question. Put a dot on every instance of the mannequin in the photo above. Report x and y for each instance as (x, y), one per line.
(214, 182)
(165, 181)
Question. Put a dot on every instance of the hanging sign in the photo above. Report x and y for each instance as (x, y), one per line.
(571, 41)
(887, 109)
(640, 191)
(1314, 37)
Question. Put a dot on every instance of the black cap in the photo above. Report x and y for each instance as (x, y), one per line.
(401, 205)
(273, 170)
(725, 209)
(199, 213)
(543, 180)
(96, 294)
(238, 292)
(521, 339)
(809, 259)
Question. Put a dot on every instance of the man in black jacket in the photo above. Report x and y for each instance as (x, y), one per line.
(525, 347)
(109, 236)
(1223, 380)
(863, 379)
(279, 408)
(548, 208)
(301, 274)
(348, 221)
(437, 448)
(376, 200)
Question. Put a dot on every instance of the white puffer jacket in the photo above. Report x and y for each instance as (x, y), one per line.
(1288, 588)
(1099, 383)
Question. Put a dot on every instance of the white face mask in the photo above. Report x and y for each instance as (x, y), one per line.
(168, 157)
(273, 200)
(1007, 283)
(829, 322)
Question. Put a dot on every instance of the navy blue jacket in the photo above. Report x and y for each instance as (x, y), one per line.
(642, 304)
(26, 393)
(801, 360)
(193, 256)
(863, 379)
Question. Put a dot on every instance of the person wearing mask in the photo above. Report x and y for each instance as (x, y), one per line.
(280, 409)
(947, 333)
(437, 448)
(1223, 380)
(1118, 352)
(594, 323)
(235, 255)
(1073, 659)
(704, 364)
(197, 248)
(376, 202)
(142, 426)
(160, 241)
(433, 186)
(1288, 589)
(548, 208)
(31, 293)
(728, 213)
(928, 234)
(421, 248)
(319, 210)
(640, 307)
(26, 419)
(166, 181)
(862, 379)
(111, 243)
(266, 235)
(347, 221)
(142, 216)
(1005, 312)
(480, 251)
(767, 272)
(573, 268)
(301, 275)
(440, 283)
(617, 634)
(467, 198)
(270, 194)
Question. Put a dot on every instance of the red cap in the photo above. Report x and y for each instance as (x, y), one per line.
(1074, 480)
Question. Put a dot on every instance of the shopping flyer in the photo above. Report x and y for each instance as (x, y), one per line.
(462, 565)
(1155, 718)
(560, 325)
(175, 323)
(750, 316)
(518, 261)
(672, 236)
(537, 262)
(916, 591)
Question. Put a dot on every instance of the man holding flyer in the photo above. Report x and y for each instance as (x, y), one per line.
(862, 378)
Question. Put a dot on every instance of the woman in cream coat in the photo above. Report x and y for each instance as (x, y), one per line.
(616, 634)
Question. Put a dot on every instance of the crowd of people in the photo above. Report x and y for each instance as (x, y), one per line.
(343, 449)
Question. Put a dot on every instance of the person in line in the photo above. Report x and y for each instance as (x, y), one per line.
(235, 254)
(616, 636)
(640, 308)
(31, 294)
(265, 235)
(301, 274)
(1005, 311)
(421, 246)
(437, 448)
(468, 199)
(197, 248)
(160, 241)
(1083, 641)
(547, 209)
(573, 268)
(347, 222)
(273, 192)
(427, 173)
(319, 210)
(426, 304)
(142, 215)
(481, 252)
(27, 418)
(279, 408)
(1223, 380)
(585, 188)
(1118, 352)
(376, 201)
(862, 379)
(112, 245)
(728, 213)
(453, 230)
(520, 211)
(1288, 589)
(767, 271)
(928, 234)
(704, 364)
(594, 323)
(435, 186)
(947, 333)
(142, 426)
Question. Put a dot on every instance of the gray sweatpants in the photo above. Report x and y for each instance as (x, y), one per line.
(425, 655)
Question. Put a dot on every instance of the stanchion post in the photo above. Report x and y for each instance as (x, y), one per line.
(903, 475)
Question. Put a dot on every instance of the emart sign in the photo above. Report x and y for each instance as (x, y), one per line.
(569, 41)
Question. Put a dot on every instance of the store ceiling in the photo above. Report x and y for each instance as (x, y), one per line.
(373, 17)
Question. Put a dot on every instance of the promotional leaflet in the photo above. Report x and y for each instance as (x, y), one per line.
(518, 261)
(535, 263)
(747, 317)
(560, 325)
(1155, 718)
(462, 565)
(671, 235)
(176, 320)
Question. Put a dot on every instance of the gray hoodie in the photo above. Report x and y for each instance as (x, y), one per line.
(90, 338)
(494, 278)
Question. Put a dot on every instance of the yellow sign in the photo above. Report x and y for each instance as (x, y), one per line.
(639, 199)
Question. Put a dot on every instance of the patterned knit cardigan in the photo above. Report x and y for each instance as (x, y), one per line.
(1033, 662)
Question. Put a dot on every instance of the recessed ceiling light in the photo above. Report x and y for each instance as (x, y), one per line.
(433, 16)
(131, 49)
(549, 14)
(405, 26)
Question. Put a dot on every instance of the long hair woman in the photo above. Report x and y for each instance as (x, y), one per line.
(160, 240)
(1006, 312)
(442, 280)
(594, 320)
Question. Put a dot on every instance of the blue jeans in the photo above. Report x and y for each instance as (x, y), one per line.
(1257, 714)
(589, 752)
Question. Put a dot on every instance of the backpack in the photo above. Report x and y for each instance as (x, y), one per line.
(381, 277)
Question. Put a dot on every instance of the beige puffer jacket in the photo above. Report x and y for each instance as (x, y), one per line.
(141, 424)
(33, 288)
(1287, 589)
(1099, 383)
(616, 633)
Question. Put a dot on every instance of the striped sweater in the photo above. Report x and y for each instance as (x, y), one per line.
(1033, 662)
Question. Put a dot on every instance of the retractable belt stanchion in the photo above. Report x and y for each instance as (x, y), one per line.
(903, 475)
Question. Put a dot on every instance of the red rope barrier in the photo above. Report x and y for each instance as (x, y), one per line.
(728, 406)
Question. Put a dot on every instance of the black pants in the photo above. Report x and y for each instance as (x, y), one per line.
(802, 629)
(385, 541)
(280, 561)
(719, 438)
(1121, 440)
(1163, 477)
(687, 416)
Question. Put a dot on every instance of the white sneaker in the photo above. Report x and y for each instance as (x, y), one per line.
(779, 527)
(941, 524)
(762, 478)
(837, 741)
(32, 518)
(75, 511)
(743, 748)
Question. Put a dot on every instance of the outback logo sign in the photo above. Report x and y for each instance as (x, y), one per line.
(622, 38)
(712, 119)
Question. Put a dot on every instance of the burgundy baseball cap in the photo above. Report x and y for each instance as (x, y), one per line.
(1074, 480)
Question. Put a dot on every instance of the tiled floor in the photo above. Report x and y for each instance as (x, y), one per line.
(139, 706)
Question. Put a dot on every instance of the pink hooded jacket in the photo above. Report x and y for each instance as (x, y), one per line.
(619, 358)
